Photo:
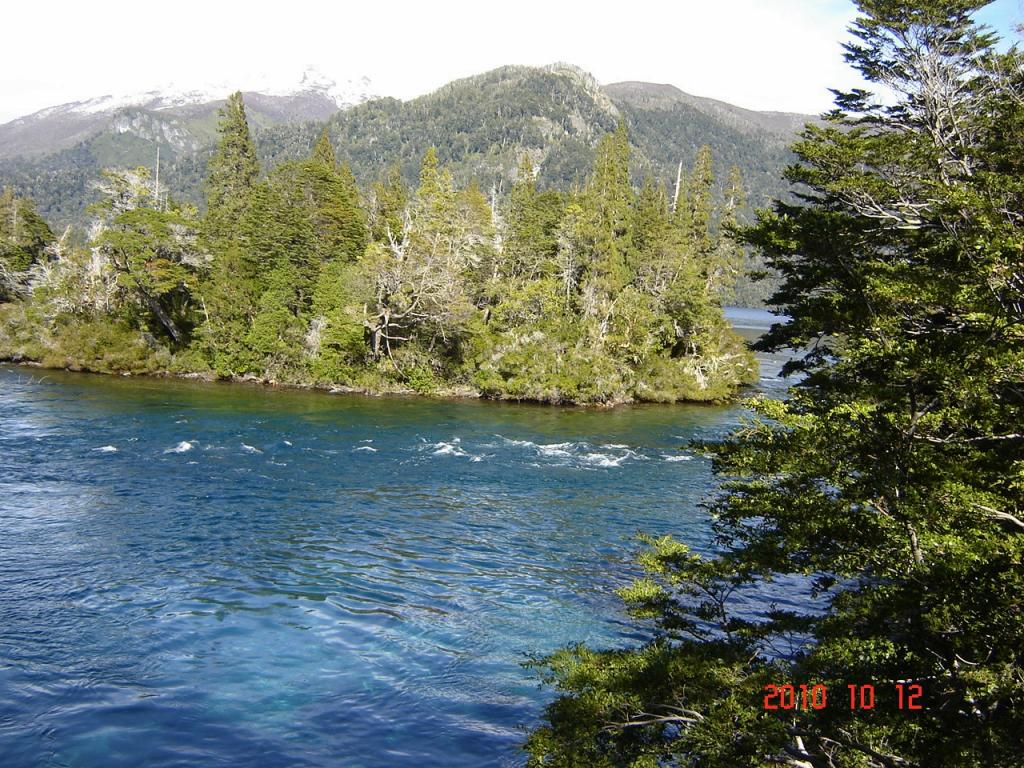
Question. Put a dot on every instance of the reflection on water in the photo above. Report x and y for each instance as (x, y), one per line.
(207, 575)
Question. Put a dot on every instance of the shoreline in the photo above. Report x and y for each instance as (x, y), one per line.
(443, 394)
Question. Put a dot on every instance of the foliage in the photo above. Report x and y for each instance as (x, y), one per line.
(152, 250)
(23, 238)
(482, 128)
(601, 296)
(888, 485)
(231, 172)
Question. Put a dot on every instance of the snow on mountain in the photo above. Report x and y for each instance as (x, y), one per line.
(343, 94)
(176, 113)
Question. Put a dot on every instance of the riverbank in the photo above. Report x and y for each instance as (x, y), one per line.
(698, 380)
(393, 391)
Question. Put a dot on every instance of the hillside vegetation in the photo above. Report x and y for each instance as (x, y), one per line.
(605, 294)
(480, 126)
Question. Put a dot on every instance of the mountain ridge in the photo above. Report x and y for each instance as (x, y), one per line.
(481, 125)
(57, 127)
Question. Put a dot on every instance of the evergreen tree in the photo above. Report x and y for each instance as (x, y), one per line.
(279, 259)
(531, 226)
(323, 151)
(24, 236)
(475, 236)
(328, 197)
(388, 207)
(696, 212)
(231, 172)
(726, 265)
(887, 488)
(607, 202)
(231, 291)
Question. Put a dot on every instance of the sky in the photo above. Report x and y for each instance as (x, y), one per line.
(761, 54)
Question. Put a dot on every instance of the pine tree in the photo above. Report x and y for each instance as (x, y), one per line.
(323, 151)
(388, 206)
(231, 172)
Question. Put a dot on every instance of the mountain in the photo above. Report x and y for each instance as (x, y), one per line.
(777, 126)
(54, 155)
(480, 125)
(180, 116)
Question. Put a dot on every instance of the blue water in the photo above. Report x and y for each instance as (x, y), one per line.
(222, 575)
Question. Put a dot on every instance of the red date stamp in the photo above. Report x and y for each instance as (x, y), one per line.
(861, 697)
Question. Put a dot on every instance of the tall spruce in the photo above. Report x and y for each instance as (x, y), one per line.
(607, 201)
(231, 172)
(323, 151)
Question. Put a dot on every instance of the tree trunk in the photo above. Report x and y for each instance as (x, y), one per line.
(162, 316)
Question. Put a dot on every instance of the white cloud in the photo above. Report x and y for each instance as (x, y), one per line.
(764, 54)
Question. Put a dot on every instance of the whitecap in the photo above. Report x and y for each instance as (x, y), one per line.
(183, 447)
(288, 443)
(367, 448)
(367, 440)
(106, 449)
(519, 443)
(604, 460)
(448, 449)
(676, 458)
(250, 449)
(544, 449)
(614, 446)
(555, 449)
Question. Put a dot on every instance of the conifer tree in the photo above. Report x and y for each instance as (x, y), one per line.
(387, 211)
(231, 172)
(695, 211)
(608, 200)
(531, 224)
(24, 236)
(725, 264)
(886, 491)
(323, 151)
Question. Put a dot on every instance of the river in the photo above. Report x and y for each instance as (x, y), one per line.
(225, 575)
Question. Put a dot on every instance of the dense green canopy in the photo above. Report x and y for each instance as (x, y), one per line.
(605, 295)
(887, 490)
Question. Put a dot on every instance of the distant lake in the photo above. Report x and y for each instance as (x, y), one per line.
(747, 319)
(222, 575)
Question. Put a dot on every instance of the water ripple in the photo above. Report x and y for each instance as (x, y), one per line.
(211, 575)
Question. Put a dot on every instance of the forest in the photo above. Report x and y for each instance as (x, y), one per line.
(609, 293)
